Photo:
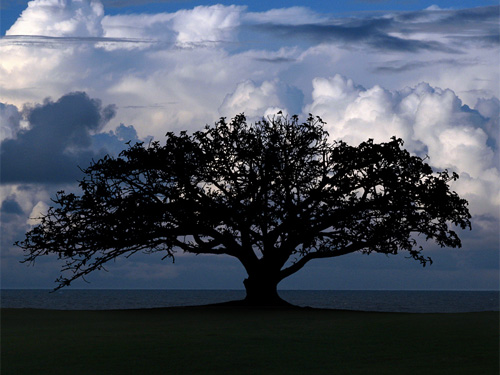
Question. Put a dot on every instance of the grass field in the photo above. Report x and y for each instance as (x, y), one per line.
(221, 340)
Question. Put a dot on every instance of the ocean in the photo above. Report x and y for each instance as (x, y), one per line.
(386, 301)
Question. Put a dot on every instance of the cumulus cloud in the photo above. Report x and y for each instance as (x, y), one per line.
(60, 18)
(257, 101)
(49, 22)
(202, 26)
(206, 25)
(431, 120)
(58, 139)
(142, 59)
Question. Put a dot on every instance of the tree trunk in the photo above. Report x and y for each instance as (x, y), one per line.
(263, 291)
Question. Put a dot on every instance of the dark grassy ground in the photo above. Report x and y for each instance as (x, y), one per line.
(220, 340)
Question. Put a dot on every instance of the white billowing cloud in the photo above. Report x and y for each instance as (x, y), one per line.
(452, 134)
(432, 121)
(355, 114)
(59, 63)
(252, 100)
(201, 26)
(261, 101)
(206, 25)
(60, 18)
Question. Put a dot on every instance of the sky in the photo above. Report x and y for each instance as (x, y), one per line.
(80, 78)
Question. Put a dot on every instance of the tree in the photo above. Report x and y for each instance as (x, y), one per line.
(274, 195)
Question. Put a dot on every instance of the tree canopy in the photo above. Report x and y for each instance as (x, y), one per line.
(274, 194)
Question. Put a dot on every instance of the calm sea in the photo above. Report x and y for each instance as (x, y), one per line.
(393, 301)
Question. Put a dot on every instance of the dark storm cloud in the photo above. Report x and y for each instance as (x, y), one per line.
(58, 140)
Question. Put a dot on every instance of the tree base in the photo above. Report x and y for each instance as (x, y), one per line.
(262, 292)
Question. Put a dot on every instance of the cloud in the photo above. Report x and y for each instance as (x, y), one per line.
(10, 121)
(113, 142)
(37, 212)
(18, 202)
(49, 22)
(455, 17)
(56, 42)
(257, 101)
(195, 57)
(58, 139)
(294, 15)
(10, 206)
(432, 122)
(374, 33)
(56, 18)
(275, 60)
(432, 29)
(399, 66)
(46, 144)
(202, 26)
(206, 25)
(152, 27)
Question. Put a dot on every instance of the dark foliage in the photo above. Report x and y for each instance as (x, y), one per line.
(275, 195)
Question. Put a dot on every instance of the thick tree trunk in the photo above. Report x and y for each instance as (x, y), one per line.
(263, 291)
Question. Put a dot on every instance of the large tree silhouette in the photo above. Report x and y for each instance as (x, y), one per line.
(274, 195)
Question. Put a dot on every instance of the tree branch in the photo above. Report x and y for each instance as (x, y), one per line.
(318, 255)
